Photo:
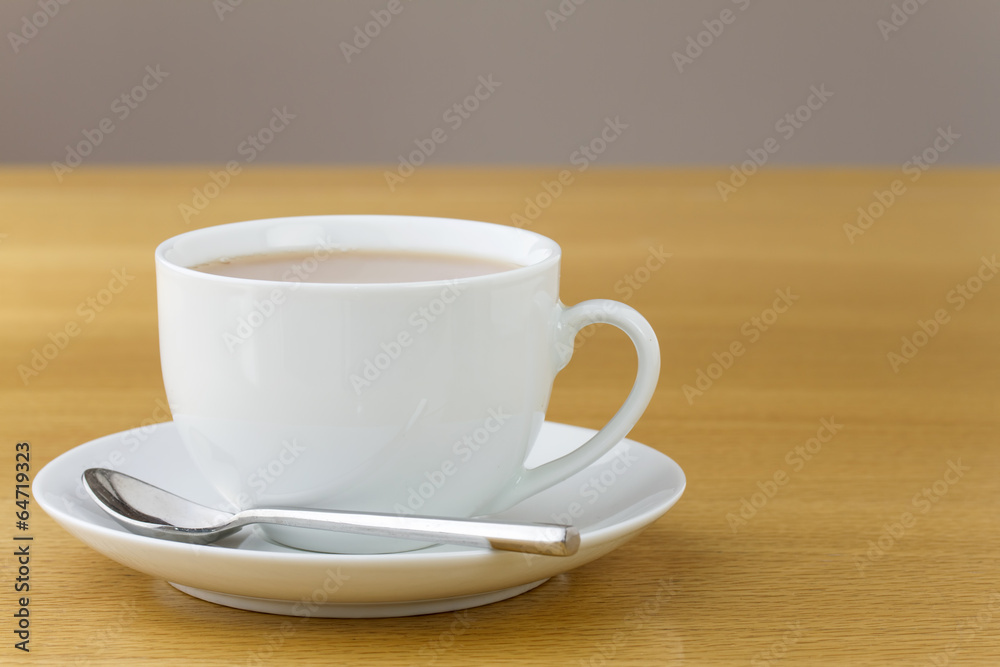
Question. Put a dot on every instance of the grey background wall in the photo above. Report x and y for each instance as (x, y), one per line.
(695, 82)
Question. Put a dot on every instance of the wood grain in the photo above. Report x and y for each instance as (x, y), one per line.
(796, 583)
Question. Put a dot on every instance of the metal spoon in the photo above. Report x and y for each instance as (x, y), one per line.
(149, 510)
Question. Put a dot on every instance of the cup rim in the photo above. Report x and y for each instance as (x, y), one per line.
(553, 258)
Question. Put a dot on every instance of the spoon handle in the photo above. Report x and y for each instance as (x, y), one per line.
(532, 538)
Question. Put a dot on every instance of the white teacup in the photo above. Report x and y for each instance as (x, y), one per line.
(419, 397)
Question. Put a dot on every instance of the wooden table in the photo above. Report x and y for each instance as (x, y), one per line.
(843, 499)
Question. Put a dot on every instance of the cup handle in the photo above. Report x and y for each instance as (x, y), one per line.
(571, 320)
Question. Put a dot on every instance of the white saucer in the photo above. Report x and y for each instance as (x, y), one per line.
(612, 501)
